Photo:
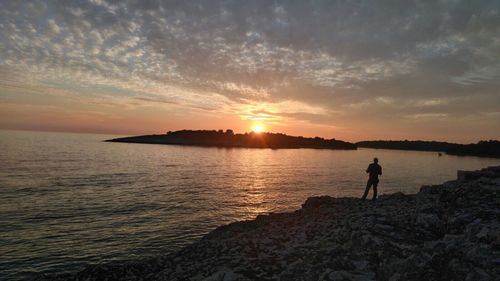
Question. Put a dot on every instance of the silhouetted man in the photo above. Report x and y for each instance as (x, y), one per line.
(374, 170)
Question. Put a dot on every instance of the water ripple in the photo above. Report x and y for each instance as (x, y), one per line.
(68, 200)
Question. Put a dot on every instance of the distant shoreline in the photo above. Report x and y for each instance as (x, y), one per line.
(489, 148)
(228, 139)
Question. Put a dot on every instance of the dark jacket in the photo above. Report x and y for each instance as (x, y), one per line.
(374, 170)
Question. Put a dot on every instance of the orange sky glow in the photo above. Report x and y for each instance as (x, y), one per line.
(326, 68)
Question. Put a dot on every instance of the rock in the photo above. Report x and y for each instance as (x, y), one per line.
(341, 275)
(395, 277)
(316, 202)
(430, 221)
(483, 233)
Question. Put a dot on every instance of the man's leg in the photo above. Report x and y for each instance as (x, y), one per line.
(375, 183)
(368, 184)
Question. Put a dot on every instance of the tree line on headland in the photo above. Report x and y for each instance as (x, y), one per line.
(228, 138)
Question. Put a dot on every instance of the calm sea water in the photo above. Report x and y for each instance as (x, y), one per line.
(68, 200)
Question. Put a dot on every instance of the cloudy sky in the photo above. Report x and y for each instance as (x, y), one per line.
(352, 70)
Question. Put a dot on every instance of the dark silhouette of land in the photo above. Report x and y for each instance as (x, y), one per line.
(228, 138)
(489, 148)
(220, 138)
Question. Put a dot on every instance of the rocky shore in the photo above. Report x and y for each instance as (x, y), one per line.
(445, 232)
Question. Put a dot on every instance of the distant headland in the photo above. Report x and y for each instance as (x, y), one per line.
(220, 138)
(489, 148)
(228, 138)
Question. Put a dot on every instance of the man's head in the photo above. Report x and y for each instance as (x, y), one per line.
(375, 160)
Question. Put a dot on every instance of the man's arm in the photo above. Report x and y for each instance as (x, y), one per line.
(380, 170)
(368, 169)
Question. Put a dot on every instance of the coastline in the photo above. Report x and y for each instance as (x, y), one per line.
(228, 139)
(490, 149)
(444, 232)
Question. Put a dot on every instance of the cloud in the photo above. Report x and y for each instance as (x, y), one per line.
(342, 58)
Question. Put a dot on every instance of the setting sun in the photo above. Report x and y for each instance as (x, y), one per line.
(258, 129)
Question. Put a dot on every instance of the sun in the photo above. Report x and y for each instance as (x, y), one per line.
(258, 129)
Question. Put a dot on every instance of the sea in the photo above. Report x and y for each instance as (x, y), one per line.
(72, 200)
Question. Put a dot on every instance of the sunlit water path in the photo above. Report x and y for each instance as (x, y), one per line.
(67, 200)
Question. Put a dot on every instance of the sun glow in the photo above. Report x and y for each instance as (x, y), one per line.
(258, 128)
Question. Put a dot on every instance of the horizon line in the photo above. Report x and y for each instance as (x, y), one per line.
(125, 134)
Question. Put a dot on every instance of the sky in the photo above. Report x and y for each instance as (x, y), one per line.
(350, 70)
